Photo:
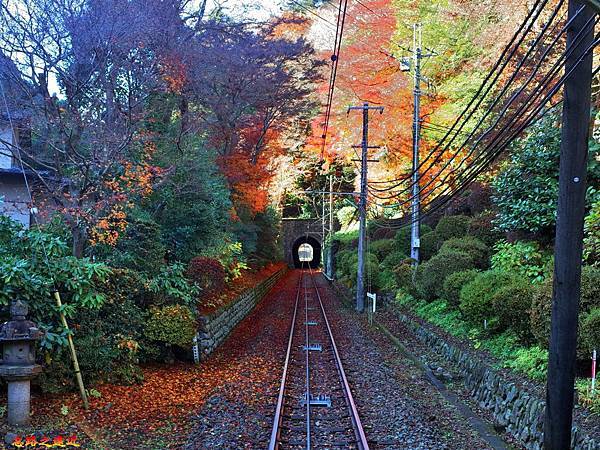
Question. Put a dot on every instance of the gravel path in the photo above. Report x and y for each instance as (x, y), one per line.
(399, 408)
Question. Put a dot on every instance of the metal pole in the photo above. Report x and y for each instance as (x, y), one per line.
(323, 231)
(330, 271)
(415, 227)
(362, 211)
(569, 233)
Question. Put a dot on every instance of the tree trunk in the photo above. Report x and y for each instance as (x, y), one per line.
(79, 238)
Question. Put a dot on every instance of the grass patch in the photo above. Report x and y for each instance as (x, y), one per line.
(505, 347)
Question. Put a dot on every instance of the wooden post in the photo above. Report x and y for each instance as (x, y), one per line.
(569, 234)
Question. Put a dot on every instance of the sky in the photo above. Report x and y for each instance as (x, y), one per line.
(255, 9)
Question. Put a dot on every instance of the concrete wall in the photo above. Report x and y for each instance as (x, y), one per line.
(15, 198)
(520, 412)
(5, 152)
(214, 328)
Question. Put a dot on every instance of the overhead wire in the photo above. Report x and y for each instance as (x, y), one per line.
(504, 90)
(520, 112)
(486, 85)
(465, 183)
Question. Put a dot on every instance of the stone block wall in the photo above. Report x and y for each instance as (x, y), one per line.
(215, 327)
(520, 412)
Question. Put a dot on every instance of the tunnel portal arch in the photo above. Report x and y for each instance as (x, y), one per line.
(316, 247)
(295, 232)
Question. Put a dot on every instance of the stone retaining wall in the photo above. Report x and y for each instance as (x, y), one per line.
(520, 412)
(215, 327)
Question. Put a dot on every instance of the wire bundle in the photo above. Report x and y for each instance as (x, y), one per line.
(525, 95)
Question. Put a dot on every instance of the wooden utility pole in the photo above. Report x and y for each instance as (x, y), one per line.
(569, 231)
(362, 206)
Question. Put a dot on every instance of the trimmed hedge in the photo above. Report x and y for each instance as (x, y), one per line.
(430, 245)
(512, 304)
(431, 275)
(382, 248)
(402, 238)
(589, 332)
(541, 308)
(476, 296)
(454, 283)
(453, 226)
(393, 260)
(482, 227)
(404, 278)
(472, 246)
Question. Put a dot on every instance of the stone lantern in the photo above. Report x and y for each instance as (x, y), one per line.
(18, 367)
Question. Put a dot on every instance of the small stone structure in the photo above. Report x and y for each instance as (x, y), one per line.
(295, 232)
(215, 327)
(18, 367)
(520, 412)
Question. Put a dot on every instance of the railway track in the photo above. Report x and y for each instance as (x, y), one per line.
(315, 407)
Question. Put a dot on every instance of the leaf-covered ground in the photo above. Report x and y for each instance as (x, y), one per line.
(227, 401)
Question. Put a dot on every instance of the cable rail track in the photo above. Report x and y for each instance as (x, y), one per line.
(303, 418)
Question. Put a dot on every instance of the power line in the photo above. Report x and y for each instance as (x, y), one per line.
(494, 73)
(518, 113)
(500, 116)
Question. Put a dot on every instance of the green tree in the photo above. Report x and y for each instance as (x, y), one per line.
(526, 188)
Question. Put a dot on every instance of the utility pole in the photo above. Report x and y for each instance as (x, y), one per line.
(362, 206)
(323, 230)
(330, 257)
(415, 238)
(417, 53)
(569, 230)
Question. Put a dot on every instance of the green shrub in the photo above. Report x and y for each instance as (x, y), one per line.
(403, 274)
(430, 276)
(372, 273)
(393, 260)
(430, 245)
(387, 280)
(141, 246)
(591, 241)
(476, 296)
(525, 258)
(586, 397)
(512, 304)
(452, 226)
(472, 246)
(402, 237)
(454, 283)
(347, 239)
(347, 266)
(589, 333)
(382, 248)
(171, 286)
(342, 262)
(541, 308)
(173, 325)
(107, 338)
(483, 228)
(532, 361)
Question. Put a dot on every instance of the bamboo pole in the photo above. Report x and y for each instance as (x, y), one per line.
(63, 320)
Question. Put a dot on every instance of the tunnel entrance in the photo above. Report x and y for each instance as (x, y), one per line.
(306, 251)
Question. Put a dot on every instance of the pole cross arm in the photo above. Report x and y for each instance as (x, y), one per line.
(377, 108)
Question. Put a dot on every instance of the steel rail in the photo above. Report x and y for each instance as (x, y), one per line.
(276, 431)
(359, 432)
(307, 362)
